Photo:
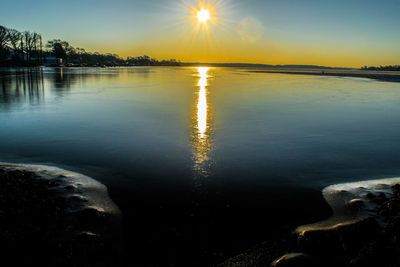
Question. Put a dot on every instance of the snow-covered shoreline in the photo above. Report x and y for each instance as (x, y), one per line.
(350, 202)
(87, 232)
(81, 191)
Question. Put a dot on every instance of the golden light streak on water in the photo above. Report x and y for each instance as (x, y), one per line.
(202, 124)
(202, 103)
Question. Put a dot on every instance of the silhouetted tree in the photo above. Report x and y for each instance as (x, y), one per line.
(382, 68)
(59, 51)
(14, 38)
(41, 48)
(30, 46)
(3, 37)
(4, 49)
(58, 48)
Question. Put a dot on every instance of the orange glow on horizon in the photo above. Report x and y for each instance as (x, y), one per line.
(210, 31)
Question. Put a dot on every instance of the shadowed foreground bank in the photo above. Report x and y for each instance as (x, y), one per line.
(363, 231)
(37, 222)
(42, 226)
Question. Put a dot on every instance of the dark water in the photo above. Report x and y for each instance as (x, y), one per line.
(203, 162)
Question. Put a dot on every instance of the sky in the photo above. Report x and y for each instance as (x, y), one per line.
(342, 33)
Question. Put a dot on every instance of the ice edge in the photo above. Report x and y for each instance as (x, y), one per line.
(350, 204)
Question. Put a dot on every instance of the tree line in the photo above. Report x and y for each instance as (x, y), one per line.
(27, 49)
(15, 45)
(388, 68)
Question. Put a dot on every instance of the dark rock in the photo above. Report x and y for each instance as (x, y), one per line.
(370, 195)
(340, 239)
(293, 260)
(52, 183)
(361, 243)
(260, 255)
(37, 228)
(377, 199)
(355, 204)
(396, 187)
(90, 215)
(70, 188)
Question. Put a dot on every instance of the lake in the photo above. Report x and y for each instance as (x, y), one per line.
(203, 162)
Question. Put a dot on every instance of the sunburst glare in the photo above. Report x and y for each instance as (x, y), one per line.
(203, 15)
(199, 22)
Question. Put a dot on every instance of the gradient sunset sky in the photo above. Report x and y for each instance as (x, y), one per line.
(348, 33)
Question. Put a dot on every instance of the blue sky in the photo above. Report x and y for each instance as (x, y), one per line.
(353, 32)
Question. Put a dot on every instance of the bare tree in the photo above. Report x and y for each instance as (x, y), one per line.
(4, 49)
(21, 43)
(41, 49)
(3, 37)
(14, 38)
(28, 44)
(35, 45)
(31, 41)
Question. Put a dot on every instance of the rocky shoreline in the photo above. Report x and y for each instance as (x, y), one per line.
(364, 230)
(51, 217)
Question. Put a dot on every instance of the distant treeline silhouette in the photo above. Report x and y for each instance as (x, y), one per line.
(27, 49)
(389, 68)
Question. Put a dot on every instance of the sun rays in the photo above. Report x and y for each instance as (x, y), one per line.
(196, 25)
(184, 33)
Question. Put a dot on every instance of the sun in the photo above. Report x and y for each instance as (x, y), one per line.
(203, 15)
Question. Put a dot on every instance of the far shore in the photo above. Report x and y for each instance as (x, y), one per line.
(389, 76)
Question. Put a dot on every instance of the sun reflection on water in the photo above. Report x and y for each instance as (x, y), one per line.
(202, 103)
(202, 124)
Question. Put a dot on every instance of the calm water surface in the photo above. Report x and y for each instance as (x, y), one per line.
(203, 162)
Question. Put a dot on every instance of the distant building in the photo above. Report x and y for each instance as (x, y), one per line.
(46, 61)
(50, 61)
(18, 55)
